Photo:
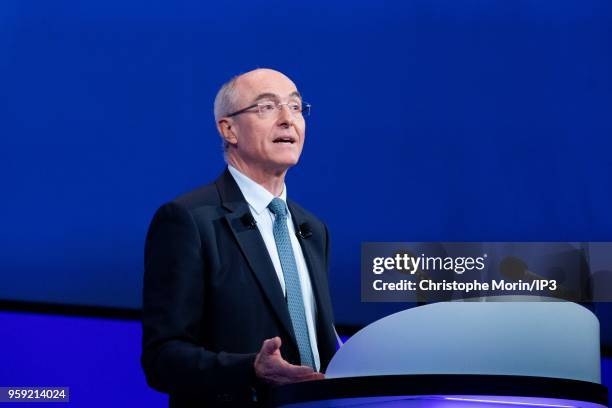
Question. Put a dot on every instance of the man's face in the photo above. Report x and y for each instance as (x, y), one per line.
(272, 143)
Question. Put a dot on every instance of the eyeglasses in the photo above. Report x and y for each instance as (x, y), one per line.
(270, 109)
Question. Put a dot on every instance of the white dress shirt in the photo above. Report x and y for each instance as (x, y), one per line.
(259, 198)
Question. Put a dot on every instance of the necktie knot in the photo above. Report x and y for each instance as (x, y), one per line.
(278, 207)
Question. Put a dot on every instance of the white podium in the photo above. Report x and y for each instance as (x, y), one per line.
(489, 353)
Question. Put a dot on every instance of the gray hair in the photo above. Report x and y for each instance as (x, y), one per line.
(225, 101)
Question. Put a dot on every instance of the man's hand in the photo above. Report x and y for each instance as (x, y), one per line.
(271, 368)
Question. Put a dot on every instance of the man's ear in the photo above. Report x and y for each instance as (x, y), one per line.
(226, 130)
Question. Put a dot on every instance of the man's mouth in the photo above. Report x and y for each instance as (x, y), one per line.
(285, 139)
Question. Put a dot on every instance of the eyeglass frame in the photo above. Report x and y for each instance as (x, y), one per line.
(278, 107)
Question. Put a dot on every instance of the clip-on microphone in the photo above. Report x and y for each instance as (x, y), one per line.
(304, 231)
(248, 221)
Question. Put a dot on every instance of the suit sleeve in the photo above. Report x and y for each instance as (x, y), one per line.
(173, 359)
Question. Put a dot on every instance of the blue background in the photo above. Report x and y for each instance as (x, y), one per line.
(433, 120)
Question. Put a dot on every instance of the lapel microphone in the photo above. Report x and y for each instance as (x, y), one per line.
(248, 221)
(304, 231)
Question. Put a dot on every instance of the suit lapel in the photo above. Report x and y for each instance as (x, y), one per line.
(254, 249)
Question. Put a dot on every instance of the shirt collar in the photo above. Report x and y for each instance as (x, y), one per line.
(257, 196)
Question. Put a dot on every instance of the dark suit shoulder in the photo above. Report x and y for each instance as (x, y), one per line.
(303, 214)
(203, 196)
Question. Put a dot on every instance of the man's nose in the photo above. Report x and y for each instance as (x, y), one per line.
(285, 116)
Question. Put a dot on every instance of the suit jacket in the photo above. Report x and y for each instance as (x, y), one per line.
(211, 297)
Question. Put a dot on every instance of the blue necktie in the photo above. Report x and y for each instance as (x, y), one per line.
(292, 281)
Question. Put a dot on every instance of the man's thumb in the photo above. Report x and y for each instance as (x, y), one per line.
(271, 345)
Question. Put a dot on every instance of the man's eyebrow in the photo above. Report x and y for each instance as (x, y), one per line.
(268, 95)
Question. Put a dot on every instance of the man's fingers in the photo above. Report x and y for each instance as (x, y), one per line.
(280, 380)
(272, 368)
(311, 377)
(295, 373)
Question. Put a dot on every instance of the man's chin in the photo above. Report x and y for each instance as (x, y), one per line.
(288, 160)
(284, 165)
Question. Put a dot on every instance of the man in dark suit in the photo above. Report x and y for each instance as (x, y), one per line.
(236, 293)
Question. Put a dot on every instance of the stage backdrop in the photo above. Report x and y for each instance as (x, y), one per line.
(432, 120)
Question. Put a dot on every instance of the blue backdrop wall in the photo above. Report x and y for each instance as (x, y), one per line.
(432, 120)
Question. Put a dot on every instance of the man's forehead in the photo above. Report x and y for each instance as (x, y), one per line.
(266, 82)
